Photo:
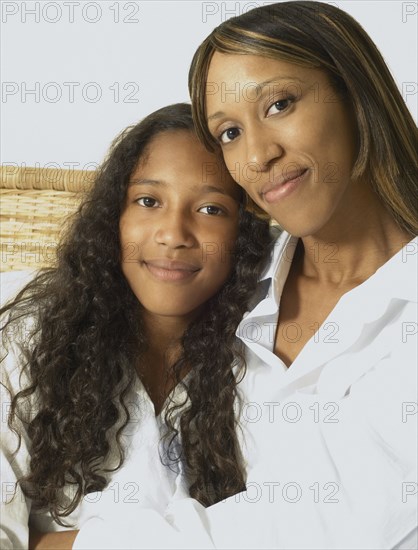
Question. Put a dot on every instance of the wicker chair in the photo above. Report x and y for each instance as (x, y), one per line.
(35, 203)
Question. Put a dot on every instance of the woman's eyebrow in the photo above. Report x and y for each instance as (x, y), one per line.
(277, 78)
(261, 86)
(218, 114)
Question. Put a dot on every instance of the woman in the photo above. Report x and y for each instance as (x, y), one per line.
(114, 347)
(312, 126)
(316, 111)
(319, 136)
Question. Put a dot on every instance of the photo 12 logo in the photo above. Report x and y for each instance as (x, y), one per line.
(70, 12)
(69, 92)
(290, 492)
(217, 12)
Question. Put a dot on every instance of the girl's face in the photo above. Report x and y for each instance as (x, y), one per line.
(287, 138)
(178, 226)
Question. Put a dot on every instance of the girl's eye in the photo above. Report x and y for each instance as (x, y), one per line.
(211, 210)
(279, 106)
(228, 135)
(147, 202)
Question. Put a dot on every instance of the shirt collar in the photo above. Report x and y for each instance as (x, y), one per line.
(399, 273)
(281, 239)
(280, 262)
(366, 303)
(265, 302)
(397, 278)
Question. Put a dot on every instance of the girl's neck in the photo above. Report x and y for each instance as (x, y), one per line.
(163, 348)
(163, 332)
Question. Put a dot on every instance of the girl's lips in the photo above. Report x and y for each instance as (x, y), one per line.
(278, 190)
(170, 270)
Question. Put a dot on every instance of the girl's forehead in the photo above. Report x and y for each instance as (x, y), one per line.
(180, 148)
(177, 159)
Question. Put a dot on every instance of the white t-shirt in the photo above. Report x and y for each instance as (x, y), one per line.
(330, 444)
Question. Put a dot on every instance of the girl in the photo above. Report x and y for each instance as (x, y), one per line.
(130, 338)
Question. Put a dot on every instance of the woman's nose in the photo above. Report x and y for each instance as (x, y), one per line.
(175, 230)
(263, 148)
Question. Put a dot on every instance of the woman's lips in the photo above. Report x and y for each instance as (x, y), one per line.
(171, 270)
(283, 187)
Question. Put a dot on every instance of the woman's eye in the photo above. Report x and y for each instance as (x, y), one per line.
(212, 210)
(279, 106)
(147, 202)
(229, 135)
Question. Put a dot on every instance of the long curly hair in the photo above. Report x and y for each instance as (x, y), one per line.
(85, 333)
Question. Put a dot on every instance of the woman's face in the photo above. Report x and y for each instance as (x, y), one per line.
(287, 138)
(178, 226)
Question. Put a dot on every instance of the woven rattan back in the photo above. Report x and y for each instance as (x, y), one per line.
(35, 204)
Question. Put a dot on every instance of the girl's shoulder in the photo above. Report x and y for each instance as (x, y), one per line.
(17, 332)
(11, 282)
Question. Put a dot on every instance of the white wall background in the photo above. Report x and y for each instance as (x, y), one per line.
(75, 73)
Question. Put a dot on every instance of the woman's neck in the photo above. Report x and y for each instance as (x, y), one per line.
(361, 236)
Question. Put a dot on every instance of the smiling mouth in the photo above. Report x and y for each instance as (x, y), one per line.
(282, 187)
(171, 270)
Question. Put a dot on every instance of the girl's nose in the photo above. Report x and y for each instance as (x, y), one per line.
(175, 231)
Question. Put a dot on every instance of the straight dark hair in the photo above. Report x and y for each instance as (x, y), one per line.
(321, 36)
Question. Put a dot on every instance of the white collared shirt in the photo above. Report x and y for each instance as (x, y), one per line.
(331, 442)
(329, 445)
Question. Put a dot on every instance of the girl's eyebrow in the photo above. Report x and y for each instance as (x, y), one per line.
(213, 189)
(142, 181)
(201, 189)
